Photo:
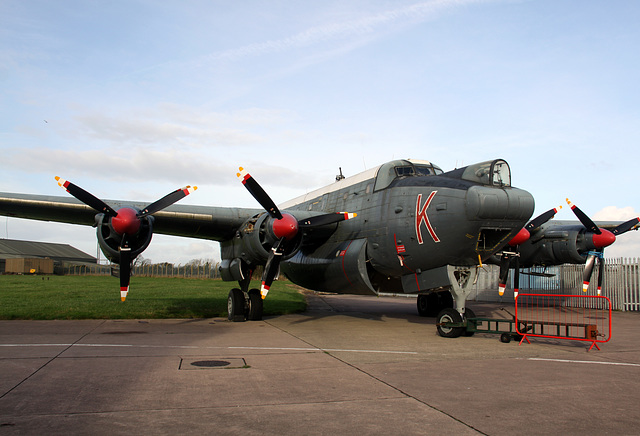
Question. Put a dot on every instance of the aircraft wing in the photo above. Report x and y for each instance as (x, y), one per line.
(214, 223)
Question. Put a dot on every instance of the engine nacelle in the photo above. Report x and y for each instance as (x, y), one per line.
(109, 240)
(250, 247)
(341, 268)
(565, 244)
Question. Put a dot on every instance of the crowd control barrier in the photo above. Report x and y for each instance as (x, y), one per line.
(573, 317)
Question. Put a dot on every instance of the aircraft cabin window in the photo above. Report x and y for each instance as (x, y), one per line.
(390, 171)
(414, 170)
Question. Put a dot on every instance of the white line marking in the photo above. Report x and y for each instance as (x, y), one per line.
(584, 361)
(326, 349)
(212, 347)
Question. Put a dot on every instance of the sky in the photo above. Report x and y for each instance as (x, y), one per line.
(134, 99)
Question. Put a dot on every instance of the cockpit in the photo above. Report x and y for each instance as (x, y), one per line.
(492, 173)
(397, 169)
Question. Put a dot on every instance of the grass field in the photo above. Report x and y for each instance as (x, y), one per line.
(98, 297)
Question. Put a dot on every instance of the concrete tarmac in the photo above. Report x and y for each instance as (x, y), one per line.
(350, 365)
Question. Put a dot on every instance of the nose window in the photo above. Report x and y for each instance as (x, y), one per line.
(501, 174)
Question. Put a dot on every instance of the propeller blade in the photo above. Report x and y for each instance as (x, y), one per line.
(323, 220)
(584, 219)
(516, 277)
(125, 266)
(600, 274)
(271, 267)
(505, 262)
(258, 193)
(542, 218)
(167, 200)
(626, 226)
(86, 197)
(588, 270)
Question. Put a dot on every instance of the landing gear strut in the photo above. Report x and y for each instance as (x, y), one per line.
(452, 322)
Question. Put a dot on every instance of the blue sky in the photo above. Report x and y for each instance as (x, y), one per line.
(132, 99)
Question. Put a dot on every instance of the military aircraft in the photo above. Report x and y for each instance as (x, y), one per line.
(404, 226)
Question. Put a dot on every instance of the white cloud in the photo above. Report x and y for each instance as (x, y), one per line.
(613, 213)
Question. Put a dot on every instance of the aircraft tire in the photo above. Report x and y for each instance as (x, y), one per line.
(423, 304)
(235, 305)
(255, 305)
(468, 313)
(429, 304)
(449, 315)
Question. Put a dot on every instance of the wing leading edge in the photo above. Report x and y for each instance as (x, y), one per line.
(213, 223)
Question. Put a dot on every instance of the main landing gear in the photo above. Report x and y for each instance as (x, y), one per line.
(245, 304)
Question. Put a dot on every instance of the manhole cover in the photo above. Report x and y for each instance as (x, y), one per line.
(211, 363)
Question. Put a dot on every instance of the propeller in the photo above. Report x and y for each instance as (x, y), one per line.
(126, 222)
(600, 239)
(285, 226)
(514, 256)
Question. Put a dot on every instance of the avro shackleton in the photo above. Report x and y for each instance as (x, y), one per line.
(404, 226)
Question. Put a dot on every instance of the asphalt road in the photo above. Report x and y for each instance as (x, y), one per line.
(350, 365)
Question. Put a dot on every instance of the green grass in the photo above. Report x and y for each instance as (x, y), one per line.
(98, 297)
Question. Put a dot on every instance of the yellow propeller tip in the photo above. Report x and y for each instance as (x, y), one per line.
(123, 298)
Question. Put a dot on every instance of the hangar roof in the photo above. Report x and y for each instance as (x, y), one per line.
(13, 248)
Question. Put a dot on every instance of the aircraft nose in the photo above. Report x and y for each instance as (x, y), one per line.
(489, 203)
(499, 213)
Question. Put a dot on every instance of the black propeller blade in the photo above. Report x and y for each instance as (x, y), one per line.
(323, 220)
(626, 226)
(505, 264)
(167, 200)
(86, 198)
(125, 266)
(126, 222)
(584, 219)
(271, 267)
(542, 218)
(259, 194)
(285, 226)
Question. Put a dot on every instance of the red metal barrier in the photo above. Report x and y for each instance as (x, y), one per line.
(574, 317)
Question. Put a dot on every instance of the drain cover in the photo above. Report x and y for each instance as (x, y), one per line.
(211, 363)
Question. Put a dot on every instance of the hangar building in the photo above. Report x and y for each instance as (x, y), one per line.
(22, 256)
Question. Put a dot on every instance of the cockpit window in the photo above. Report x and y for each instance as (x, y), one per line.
(403, 168)
(500, 173)
(415, 170)
(495, 173)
